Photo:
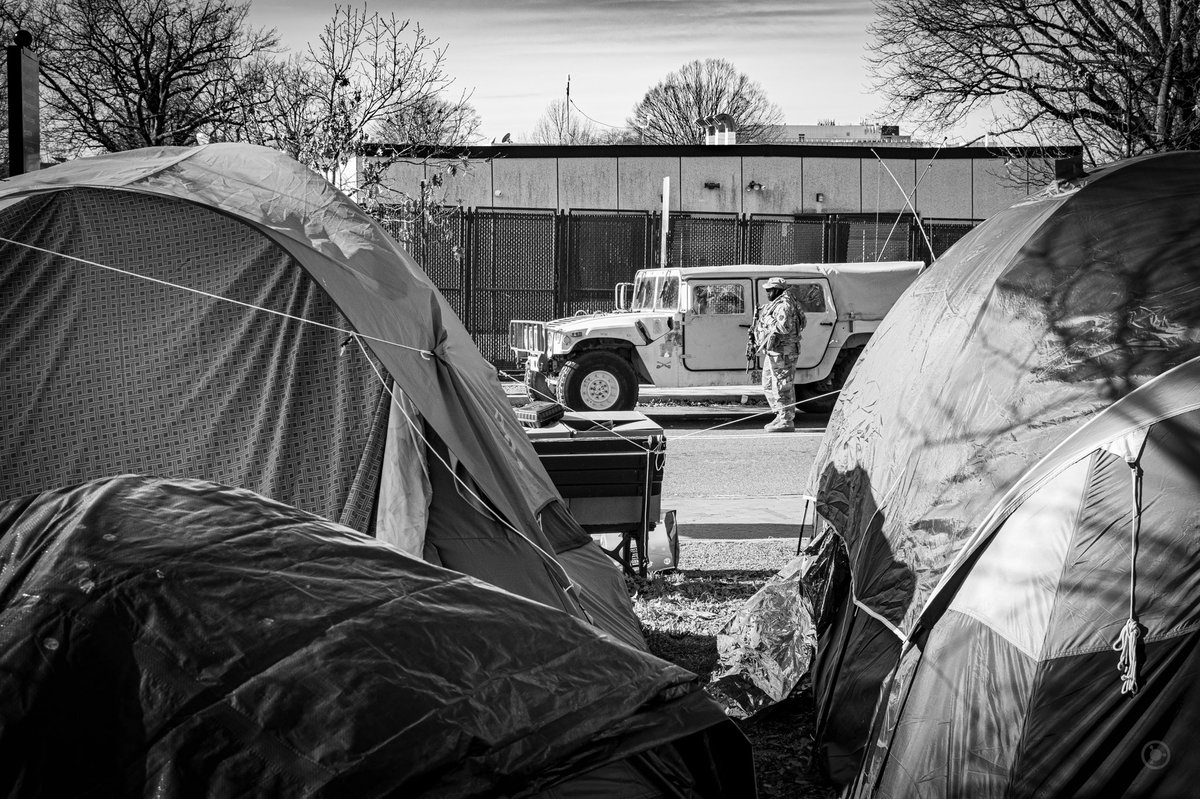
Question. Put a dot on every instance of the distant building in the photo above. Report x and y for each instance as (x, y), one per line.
(544, 231)
(851, 176)
(870, 133)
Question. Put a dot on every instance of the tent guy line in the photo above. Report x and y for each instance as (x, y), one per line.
(1126, 643)
(908, 195)
(358, 337)
(554, 566)
(426, 354)
(770, 411)
(692, 434)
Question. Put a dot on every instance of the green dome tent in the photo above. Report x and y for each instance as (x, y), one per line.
(1025, 331)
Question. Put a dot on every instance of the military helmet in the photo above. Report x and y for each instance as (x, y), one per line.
(775, 283)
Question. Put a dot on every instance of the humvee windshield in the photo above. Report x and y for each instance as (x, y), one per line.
(656, 291)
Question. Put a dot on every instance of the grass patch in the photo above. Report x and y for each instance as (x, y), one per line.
(682, 612)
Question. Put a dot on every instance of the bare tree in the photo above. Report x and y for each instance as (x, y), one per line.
(433, 121)
(274, 109)
(1120, 77)
(370, 80)
(559, 125)
(119, 74)
(6, 36)
(669, 112)
(373, 89)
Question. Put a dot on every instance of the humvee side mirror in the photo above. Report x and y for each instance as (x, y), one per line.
(623, 296)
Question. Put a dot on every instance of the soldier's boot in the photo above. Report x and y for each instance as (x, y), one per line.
(780, 424)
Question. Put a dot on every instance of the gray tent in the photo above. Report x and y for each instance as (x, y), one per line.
(1014, 652)
(133, 342)
(220, 317)
(1053, 315)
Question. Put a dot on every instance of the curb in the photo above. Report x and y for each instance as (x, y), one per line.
(680, 407)
(684, 413)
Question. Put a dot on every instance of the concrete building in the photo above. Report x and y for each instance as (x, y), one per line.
(967, 183)
(869, 133)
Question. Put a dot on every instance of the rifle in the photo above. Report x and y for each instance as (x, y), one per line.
(751, 352)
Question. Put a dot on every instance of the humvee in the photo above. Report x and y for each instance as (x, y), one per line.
(680, 327)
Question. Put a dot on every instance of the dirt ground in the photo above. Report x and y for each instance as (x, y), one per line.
(681, 614)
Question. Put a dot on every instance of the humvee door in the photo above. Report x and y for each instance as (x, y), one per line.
(717, 321)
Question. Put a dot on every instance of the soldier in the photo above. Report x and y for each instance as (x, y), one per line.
(776, 334)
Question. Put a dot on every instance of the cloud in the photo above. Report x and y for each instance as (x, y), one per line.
(516, 54)
(664, 19)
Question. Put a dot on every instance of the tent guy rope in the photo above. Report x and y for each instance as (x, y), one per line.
(425, 353)
(908, 197)
(1127, 639)
(555, 567)
(359, 337)
(633, 442)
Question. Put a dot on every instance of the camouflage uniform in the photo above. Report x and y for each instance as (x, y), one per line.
(776, 333)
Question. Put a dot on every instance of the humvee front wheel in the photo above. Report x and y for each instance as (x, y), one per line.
(598, 381)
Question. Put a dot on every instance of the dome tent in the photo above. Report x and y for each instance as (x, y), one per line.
(1031, 325)
(136, 341)
(222, 314)
(1015, 650)
(179, 638)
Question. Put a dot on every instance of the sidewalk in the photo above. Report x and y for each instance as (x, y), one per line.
(740, 519)
(715, 518)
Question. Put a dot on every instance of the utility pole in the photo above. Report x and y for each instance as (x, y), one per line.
(666, 221)
(24, 124)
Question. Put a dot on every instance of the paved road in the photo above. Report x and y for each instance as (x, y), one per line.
(725, 477)
(738, 482)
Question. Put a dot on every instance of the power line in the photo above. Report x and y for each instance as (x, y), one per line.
(598, 122)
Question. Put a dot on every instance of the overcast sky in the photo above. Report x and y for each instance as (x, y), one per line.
(515, 55)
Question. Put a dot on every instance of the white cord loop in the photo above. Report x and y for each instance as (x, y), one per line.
(1126, 644)
(1127, 639)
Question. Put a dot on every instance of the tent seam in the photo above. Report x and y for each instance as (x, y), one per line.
(1062, 571)
(1014, 770)
(996, 516)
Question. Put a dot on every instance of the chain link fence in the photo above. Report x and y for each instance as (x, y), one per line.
(772, 239)
(494, 265)
(704, 239)
(604, 248)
